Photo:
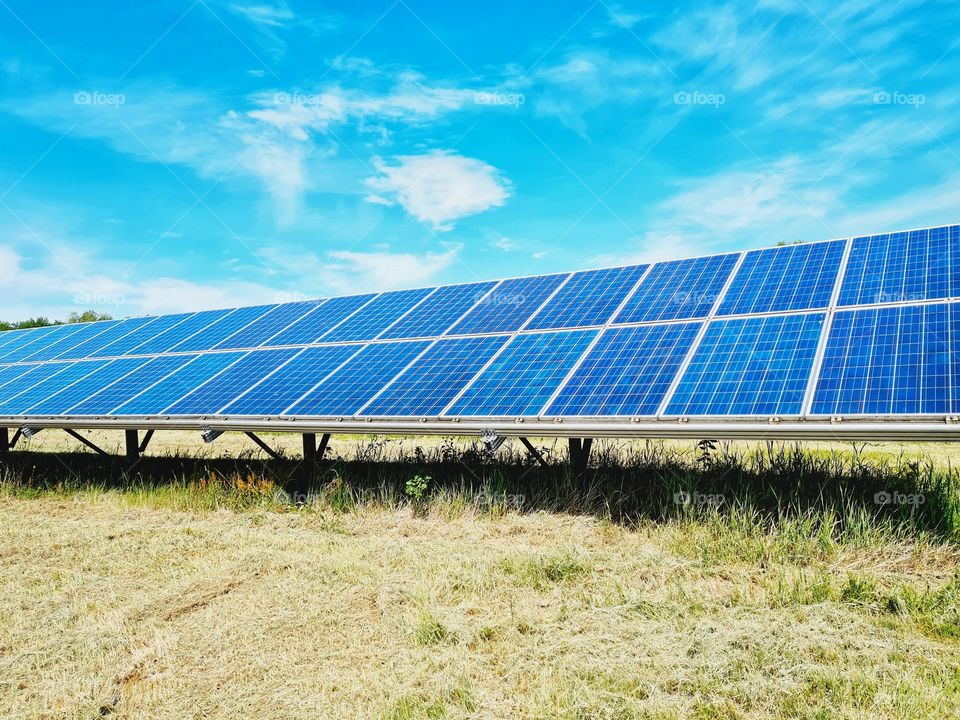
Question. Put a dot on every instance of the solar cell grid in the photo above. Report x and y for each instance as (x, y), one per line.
(102, 401)
(353, 384)
(29, 375)
(376, 316)
(35, 341)
(892, 360)
(220, 390)
(679, 290)
(627, 373)
(281, 389)
(170, 337)
(82, 333)
(434, 379)
(749, 367)
(508, 306)
(438, 312)
(55, 377)
(59, 402)
(268, 325)
(148, 331)
(309, 328)
(220, 330)
(794, 277)
(589, 298)
(524, 375)
(174, 386)
(90, 347)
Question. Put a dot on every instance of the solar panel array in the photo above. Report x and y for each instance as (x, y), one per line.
(861, 327)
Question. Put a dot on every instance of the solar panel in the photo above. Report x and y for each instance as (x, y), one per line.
(59, 402)
(889, 361)
(62, 377)
(169, 338)
(36, 341)
(375, 317)
(508, 306)
(268, 325)
(904, 266)
(588, 298)
(521, 379)
(212, 395)
(174, 386)
(126, 344)
(435, 379)
(220, 330)
(311, 327)
(107, 397)
(438, 311)
(354, 383)
(283, 387)
(794, 277)
(679, 290)
(795, 336)
(749, 367)
(91, 347)
(84, 332)
(627, 373)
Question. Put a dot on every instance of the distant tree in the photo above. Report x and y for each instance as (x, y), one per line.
(41, 321)
(88, 316)
(795, 242)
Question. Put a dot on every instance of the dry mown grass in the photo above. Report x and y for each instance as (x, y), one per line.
(117, 602)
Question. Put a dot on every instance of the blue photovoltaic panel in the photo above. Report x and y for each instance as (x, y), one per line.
(679, 290)
(524, 376)
(178, 333)
(438, 312)
(308, 329)
(589, 298)
(124, 345)
(29, 376)
(291, 382)
(177, 384)
(269, 325)
(352, 386)
(508, 306)
(63, 375)
(222, 329)
(85, 332)
(9, 373)
(208, 398)
(883, 361)
(10, 338)
(750, 366)
(627, 373)
(88, 348)
(435, 379)
(377, 316)
(916, 265)
(37, 340)
(108, 398)
(793, 277)
(59, 402)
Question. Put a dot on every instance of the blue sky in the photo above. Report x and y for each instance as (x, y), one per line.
(167, 156)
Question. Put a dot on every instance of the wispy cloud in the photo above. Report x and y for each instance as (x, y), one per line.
(439, 187)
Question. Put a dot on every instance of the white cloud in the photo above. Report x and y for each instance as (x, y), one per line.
(440, 187)
(271, 15)
(503, 243)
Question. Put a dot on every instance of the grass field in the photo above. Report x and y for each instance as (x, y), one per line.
(743, 581)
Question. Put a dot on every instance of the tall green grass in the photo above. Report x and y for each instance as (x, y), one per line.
(812, 500)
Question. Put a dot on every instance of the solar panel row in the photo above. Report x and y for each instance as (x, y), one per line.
(581, 350)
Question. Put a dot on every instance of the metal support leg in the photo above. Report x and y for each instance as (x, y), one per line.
(580, 455)
(322, 450)
(4, 444)
(533, 451)
(132, 440)
(304, 475)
